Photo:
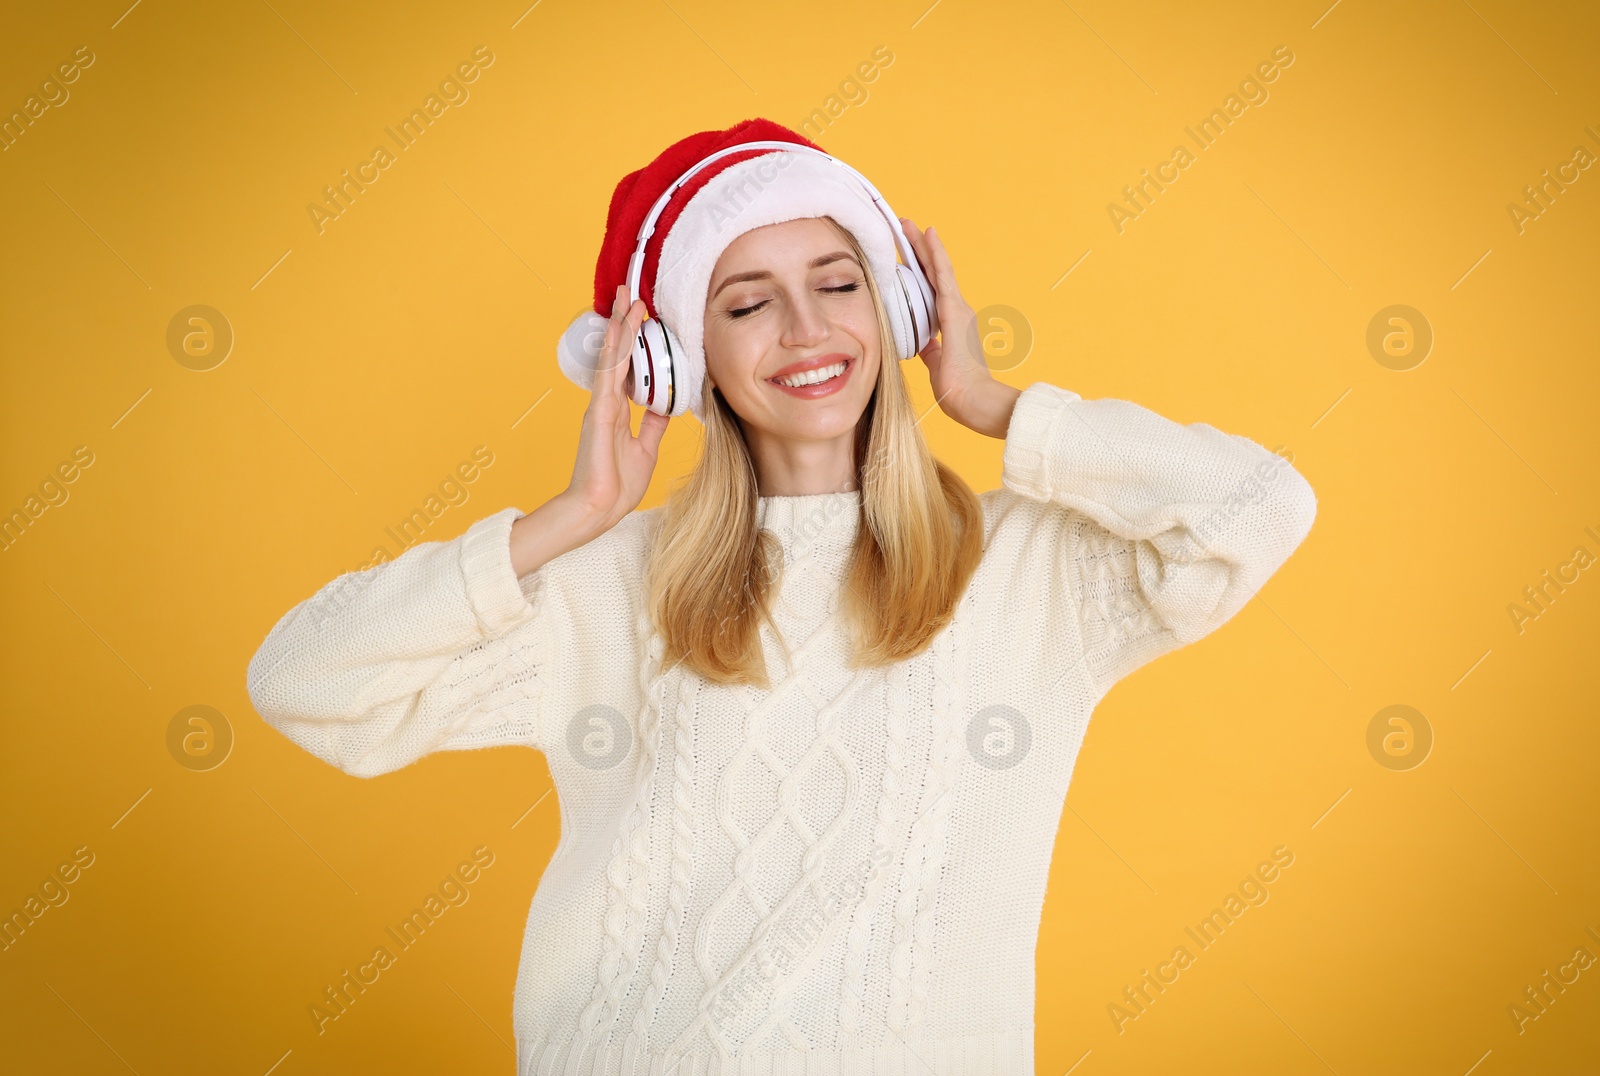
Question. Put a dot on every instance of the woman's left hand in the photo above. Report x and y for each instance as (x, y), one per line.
(962, 384)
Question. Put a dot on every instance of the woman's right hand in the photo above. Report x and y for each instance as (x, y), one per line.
(613, 467)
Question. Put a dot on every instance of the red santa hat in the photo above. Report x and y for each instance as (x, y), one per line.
(732, 195)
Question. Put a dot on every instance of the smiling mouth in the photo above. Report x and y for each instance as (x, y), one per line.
(819, 376)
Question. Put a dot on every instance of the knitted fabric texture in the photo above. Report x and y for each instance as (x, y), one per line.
(843, 873)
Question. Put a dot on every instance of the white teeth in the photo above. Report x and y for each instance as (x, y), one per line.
(812, 377)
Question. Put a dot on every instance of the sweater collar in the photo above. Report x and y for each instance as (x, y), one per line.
(817, 519)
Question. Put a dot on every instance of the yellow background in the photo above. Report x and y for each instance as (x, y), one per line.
(369, 360)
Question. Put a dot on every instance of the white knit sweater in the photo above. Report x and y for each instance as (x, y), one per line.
(843, 874)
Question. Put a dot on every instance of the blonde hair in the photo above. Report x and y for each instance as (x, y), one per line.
(713, 574)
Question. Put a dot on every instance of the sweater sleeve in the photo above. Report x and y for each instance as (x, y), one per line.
(1166, 530)
(443, 648)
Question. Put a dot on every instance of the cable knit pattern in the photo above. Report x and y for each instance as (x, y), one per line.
(907, 1011)
(682, 866)
(840, 874)
(629, 863)
(852, 1002)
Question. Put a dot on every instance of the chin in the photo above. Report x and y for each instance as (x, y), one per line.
(807, 420)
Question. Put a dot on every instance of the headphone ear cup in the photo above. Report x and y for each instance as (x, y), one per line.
(654, 354)
(671, 399)
(902, 320)
(918, 307)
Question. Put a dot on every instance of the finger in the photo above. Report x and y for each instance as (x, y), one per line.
(632, 319)
(939, 276)
(937, 268)
(605, 364)
(615, 357)
(919, 245)
(940, 258)
(651, 427)
(944, 272)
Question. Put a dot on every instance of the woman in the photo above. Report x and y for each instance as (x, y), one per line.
(812, 721)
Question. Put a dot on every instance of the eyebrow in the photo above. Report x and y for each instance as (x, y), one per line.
(763, 274)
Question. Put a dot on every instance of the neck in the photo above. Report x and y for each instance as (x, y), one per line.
(787, 467)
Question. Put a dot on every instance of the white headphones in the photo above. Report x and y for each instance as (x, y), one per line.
(909, 299)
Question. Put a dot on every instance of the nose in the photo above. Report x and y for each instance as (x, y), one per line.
(807, 325)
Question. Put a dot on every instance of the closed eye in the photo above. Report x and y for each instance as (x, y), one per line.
(747, 310)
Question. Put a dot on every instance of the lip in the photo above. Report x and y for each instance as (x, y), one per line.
(826, 388)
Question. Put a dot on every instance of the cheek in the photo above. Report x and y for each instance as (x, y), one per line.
(862, 322)
(733, 352)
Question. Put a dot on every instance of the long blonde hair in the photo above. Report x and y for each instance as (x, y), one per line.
(713, 574)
